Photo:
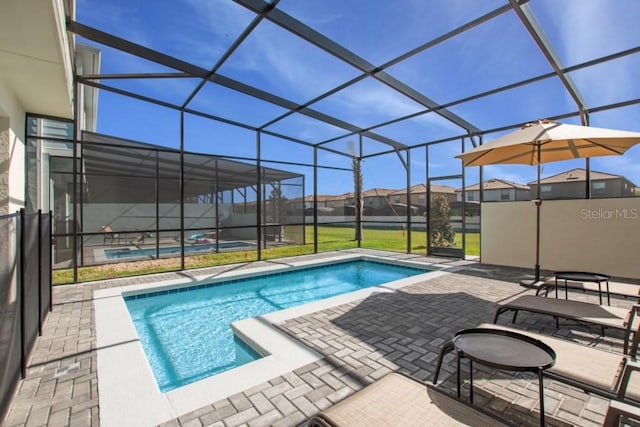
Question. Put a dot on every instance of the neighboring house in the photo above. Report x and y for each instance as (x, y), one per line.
(322, 200)
(495, 190)
(376, 202)
(323, 204)
(418, 196)
(337, 203)
(572, 185)
(471, 208)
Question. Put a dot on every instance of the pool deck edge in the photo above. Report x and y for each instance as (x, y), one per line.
(125, 375)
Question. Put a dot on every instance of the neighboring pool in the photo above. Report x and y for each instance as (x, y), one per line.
(121, 253)
(185, 332)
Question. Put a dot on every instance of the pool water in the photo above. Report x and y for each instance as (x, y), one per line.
(121, 253)
(185, 332)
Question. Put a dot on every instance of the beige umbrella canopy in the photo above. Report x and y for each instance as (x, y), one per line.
(547, 141)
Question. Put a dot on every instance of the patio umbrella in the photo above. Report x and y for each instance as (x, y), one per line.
(547, 141)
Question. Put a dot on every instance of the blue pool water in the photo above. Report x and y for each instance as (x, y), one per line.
(151, 252)
(185, 332)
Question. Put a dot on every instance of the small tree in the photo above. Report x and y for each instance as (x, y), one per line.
(357, 197)
(442, 234)
(277, 201)
(358, 203)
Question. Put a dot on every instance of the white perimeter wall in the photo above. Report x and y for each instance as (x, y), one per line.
(597, 235)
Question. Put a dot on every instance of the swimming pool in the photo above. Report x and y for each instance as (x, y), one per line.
(185, 331)
(121, 253)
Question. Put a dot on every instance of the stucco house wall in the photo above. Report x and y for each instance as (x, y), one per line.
(12, 152)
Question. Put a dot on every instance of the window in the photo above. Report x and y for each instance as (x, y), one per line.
(396, 199)
(470, 196)
(421, 199)
(598, 188)
(38, 150)
(505, 194)
(56, 128)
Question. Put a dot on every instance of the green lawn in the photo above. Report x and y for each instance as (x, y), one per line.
(391, 240)
(329, 239)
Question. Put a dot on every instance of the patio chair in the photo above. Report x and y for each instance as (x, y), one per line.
(398, 400)
(619, 414)
(597, 371)
(600, 315)
(139, 240)
(625, 290)
(109, 235)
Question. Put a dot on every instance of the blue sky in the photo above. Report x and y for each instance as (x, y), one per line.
(491, 55)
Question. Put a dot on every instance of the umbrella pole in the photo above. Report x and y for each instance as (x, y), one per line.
(538, 202)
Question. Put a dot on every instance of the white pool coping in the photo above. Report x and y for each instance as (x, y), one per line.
(128, 393)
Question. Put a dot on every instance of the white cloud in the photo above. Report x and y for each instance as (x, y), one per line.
(433, 119)
(589, 29)
(110, 16)
(219, 22)
(281, 59)
(366, 103)
(222, 16)
(595, 28)
(626, 165)
(378, 99)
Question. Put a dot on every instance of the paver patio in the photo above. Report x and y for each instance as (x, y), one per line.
(360, 342)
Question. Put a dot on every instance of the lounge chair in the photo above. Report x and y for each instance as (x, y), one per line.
(109, 235)
(597, 371)
(397, 400)
(618, 412)
(600, 315)
(625, 290)
(138, 240)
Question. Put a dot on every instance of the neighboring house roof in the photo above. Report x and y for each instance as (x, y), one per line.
(344, 196)
(495, 184)
(577, 175)
(321, 197)
(377, 192)
(435, 188)
(422, 188)
(374, 192)
(490, 184)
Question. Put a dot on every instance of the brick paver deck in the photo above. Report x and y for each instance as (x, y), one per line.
(360, 341)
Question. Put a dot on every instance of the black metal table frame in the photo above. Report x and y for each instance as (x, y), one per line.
(460, 354)
(583, 276)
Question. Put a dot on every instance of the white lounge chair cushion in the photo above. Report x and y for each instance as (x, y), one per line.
(615, 288)
(396, 400)
(602, 315)
(597, 368)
